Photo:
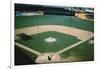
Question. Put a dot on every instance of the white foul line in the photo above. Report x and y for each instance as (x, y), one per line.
(27, 48)
(70, 47)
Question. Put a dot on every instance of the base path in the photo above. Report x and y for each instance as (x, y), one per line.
(79, 33)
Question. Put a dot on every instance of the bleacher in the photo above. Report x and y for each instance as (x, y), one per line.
(31, 10)
(22, 10)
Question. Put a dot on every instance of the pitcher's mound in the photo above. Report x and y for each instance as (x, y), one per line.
(47, 58)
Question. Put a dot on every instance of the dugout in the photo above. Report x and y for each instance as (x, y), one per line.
(24, 36)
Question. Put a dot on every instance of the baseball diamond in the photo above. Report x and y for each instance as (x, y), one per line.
(49, 38)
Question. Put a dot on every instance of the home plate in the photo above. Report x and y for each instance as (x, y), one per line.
(48, 58)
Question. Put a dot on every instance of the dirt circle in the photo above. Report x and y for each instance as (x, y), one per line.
(47, 58)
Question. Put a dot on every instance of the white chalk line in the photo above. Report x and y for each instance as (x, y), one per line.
(58, 28)
(27, 48)
(72, 46)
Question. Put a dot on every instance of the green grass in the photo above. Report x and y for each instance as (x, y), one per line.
(27, 21)
(84, 51)
(38, 41)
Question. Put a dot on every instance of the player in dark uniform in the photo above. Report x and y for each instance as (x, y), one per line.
(50, 57)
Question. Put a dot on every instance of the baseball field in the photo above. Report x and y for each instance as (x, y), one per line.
(54, 38)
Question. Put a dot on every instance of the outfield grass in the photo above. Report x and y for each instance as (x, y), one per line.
(27, 21)
(84, 51)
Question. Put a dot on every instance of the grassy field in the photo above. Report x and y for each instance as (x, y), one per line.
(27, 21)
(84, 51)
(38, 42)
